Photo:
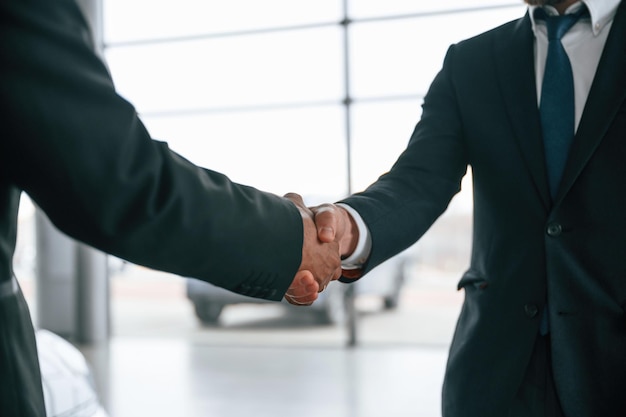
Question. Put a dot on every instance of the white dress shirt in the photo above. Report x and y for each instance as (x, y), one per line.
(584, 44)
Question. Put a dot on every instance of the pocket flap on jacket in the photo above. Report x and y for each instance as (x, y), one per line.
(471, 277)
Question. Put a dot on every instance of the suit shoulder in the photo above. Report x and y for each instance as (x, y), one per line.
(488, 37)
(475, 51)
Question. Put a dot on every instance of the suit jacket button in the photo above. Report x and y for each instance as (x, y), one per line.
(554, 229)
(531, 310)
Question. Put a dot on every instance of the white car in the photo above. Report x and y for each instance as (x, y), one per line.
(385, 281)
(68, 386)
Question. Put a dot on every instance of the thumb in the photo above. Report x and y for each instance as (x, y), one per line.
(305, 279)
(326, 222)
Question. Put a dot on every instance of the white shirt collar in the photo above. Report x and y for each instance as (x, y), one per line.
(600, 11)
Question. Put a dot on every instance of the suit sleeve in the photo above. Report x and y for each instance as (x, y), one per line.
(82, 154)
(403, 203)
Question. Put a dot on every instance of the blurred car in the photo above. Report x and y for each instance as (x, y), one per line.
(385, 281)
(68, 386)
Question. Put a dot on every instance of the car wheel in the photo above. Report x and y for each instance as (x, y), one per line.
(208, 313)
(392, 300)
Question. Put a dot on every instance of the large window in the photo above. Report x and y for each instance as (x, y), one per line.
(317, 97)
(258, 89)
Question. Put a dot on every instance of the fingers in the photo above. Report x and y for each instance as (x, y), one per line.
(321, 260)
(296, 199)
(330, 232)
(303, 290)
(300, 301)
(326, 216)
(334, 223)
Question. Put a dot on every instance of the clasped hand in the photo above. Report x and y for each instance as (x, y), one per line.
(328, 235)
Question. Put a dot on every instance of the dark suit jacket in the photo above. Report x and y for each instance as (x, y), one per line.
(83, 156)
(481, 111)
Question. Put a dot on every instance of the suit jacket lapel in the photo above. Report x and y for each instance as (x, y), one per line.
(608, 92)
(514, 55)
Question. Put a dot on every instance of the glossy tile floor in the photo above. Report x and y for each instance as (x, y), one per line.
(177, 378)
(260, 361)
(266, 361)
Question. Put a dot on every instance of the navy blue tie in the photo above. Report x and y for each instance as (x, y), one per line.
(557, 97)
(557, 107)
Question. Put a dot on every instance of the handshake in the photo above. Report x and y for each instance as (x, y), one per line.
(330, 234)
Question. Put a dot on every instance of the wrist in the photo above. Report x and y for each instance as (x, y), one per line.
(355, 243)
(350, 238)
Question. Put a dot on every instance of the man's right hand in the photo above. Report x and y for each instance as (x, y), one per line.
(335, 224)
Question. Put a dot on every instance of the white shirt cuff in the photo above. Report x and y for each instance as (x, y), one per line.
(363, 247)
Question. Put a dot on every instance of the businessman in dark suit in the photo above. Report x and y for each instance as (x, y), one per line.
(542, 331)
(81, 153)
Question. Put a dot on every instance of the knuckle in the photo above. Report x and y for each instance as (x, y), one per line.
(325, 210)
